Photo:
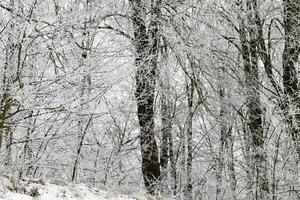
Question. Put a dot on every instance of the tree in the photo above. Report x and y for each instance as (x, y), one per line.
(226, 154)
(167, 155)
(202, 97)
(291, 25)
(255, 125)
(146, 45)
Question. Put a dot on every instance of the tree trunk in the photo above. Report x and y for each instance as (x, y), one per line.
(249, 52)
(221, 153)
(85, 89)
(167, 159)
(167, 155)
(79, 149)
(226, 141)
(290, 58)
(146, 62)
(189, 164)
(166, 119)
(6, 99)
(172, 164)
(5, 106)
(230, 163)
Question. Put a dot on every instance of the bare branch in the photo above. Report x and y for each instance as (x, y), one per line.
(117, 31)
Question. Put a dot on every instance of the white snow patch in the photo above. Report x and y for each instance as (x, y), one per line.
(28, 190)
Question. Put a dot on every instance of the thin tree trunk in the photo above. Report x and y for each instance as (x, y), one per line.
(165, 134)
(166, 139)
(8, 144)
(76, 162)
(183, 167)
(28, 153)
(172, 164)
(85, 88)
(6, 99)
(230, 163)
(190, 97)
(222, 141)
(5, 105)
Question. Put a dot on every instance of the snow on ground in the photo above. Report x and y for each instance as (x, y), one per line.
(38, 190)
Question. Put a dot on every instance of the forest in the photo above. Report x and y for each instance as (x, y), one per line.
(181, 99)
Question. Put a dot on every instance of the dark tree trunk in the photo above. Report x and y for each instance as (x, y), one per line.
(6, 99)
(221, 156)
(248, 38)
(189, 164)
(172, 164)
(5, 105)
(145, 41)
(79, 149)
(290, 58)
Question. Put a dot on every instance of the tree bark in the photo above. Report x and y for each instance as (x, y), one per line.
(249, 52)
(189, 164)
(6, 99)
(166, 128)
(146, 42)
(167, 161)
(226, 141)
(290, 58)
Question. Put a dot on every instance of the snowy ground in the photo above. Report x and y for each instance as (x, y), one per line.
(39, 190)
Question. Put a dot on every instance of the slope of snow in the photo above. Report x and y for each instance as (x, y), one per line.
(28, 190)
